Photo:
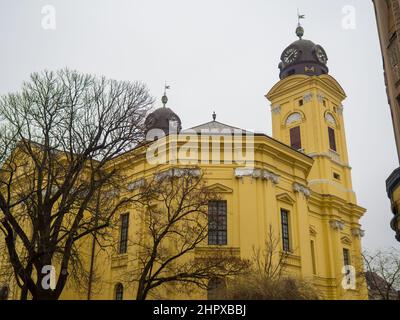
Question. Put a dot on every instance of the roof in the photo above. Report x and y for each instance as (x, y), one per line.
(219, 128)
(163, 118)
(216, 127)
(307, 58)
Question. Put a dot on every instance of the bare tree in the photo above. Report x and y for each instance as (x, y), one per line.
(268, 277)
(173, 213)
(58, 136)
(382, 273)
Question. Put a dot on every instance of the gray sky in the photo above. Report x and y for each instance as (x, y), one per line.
(217, 55)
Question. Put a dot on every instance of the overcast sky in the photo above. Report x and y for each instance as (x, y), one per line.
(217, 55)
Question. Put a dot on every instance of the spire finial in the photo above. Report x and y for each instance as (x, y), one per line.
(214, 116)
(300, 29)
(164, 98)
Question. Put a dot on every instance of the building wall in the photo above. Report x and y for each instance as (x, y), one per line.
(388, 23)
(324, 211)
(254, 203)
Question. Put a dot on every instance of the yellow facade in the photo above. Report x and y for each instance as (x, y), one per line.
(322, 209)
(313, 184)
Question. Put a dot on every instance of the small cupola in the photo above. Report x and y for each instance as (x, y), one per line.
(303, 57)
(163, 118)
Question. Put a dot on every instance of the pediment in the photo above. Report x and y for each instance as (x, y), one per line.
(332, 83)
(291, 82)
(220, 188)
(346, 240)
(285, 197)
(285, 84)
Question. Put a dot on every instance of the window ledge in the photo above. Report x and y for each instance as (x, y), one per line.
(291, 259)
(119, 261)
(217, 249)
(334, 155)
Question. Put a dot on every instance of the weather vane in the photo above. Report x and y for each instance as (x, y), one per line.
(300, 16)
(300, 29)
(164, 98)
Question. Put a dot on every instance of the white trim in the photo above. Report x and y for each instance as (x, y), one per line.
(297, 187)
(333, 183)
(257, 173)
(336, 224)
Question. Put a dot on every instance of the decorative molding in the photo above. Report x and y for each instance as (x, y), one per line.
(276, 110)
(112, 193)
(330, 182)
(345, 240)
(330, 119)
(334, 156)
(178, 172)
(336, 224)
(267, 175)
(320, 97)
(119, 261)
(220, 188)
(245, 172)
(285, 197)
(293, 117)
(313, 232)
(340, 109)
(308, 97)
(297, 187)
(256, 174)
(136, 184)
(358, 232)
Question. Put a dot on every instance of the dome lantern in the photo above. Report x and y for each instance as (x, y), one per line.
(303, 57)
(163, 118)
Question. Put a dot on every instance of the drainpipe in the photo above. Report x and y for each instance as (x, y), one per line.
(91, 269)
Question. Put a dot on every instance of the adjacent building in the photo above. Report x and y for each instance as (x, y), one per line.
(388, 21)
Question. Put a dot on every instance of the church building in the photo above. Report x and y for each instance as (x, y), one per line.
(299, 182)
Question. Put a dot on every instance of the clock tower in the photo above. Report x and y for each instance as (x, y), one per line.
(307, 114)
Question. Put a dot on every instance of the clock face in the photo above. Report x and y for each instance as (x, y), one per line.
(321, 54)
(290, 55)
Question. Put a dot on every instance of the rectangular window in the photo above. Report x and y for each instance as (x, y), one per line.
(346, 257)
(332, 140)
(314, 266)
(336, 176)
(217, 223)
(285, 230)
(295, 138)
(123, 239)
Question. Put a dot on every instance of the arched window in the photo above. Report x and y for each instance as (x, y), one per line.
(216, 289)
(295, 138)
(4, 292)
(123, 236)
(332, 139)
(330, 119)
(294, 117)
(119, 291)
